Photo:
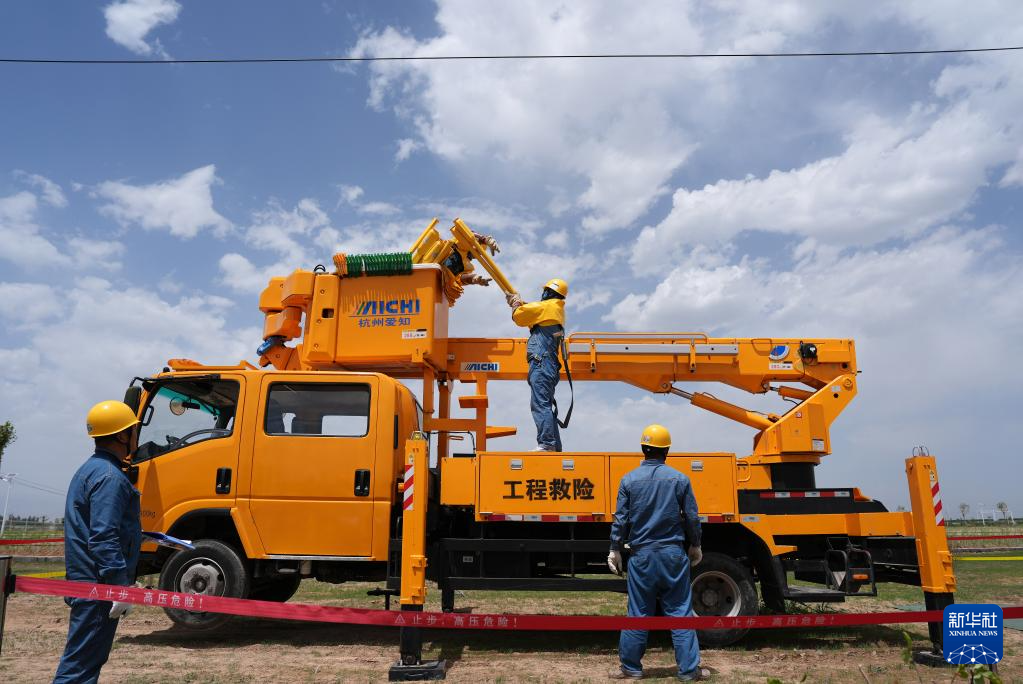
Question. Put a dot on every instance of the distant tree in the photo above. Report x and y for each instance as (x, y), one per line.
(900, 509)
(964, 508)
(7, 438)
(1003, 508)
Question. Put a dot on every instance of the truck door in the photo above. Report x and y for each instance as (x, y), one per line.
(313, 466)
(188, 448)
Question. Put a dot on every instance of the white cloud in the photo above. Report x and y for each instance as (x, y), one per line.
(892, 180)
(27, 303)
(183, 206)
(905, 306)
(352, 195)
(241, 275)
(289, 233)
(557, 239)
(608, 134)
(405, 148)
(104, 254)
(587, 299)
(105, 335)
(169, 284)
(1014, 175)
(867, 291)
(20, 241)
(378, 209)
(503, 220)
(51, 192)
(20, 365)
(129, 21)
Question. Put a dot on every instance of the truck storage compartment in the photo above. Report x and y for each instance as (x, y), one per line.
(543, 484)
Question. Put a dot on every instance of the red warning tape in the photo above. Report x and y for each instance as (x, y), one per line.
(12, 542)
(390, 618)
(990, 536)
(60, 539)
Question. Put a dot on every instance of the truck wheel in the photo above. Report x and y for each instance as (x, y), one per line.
(722, 587)
(212, 568)
(278, 589)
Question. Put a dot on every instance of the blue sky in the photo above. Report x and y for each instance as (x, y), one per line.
(143, 207)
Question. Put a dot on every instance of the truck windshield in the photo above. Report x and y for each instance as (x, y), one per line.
(182, 413)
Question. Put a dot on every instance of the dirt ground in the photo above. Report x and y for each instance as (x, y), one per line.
(149, 649)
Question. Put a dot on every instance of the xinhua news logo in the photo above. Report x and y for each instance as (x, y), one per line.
(973, 634)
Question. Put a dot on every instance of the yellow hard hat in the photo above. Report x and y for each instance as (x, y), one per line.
(656, 436)
(558, 285)
(109, 418)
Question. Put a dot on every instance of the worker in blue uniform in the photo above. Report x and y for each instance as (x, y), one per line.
(656, 516)
(102, 537)
(546, 322)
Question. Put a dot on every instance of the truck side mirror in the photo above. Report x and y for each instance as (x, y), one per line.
(133, 397)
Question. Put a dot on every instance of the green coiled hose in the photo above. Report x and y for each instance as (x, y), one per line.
(389, 263)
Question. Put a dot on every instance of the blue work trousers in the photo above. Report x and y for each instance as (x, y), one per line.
(659, 573)
(89, 639)
(543, 378)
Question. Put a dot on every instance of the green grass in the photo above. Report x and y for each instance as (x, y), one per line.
(20, 567)
(17, 531)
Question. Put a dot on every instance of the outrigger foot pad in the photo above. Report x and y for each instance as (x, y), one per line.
(423, 672)
(930, 659)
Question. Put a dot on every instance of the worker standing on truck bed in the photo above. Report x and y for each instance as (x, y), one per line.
(546, 322)
(656, 515)
(102, 537)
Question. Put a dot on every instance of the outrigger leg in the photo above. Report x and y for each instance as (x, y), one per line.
(937, 578)
(415, 490)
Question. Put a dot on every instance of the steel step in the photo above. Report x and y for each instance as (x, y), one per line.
(813, 594)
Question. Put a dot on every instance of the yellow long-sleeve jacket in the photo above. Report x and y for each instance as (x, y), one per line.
(546, 312)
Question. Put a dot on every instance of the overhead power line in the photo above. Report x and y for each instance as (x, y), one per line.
(456, 58)
(21, 480)
(45, 490)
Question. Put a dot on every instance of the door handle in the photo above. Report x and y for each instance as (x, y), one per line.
(361, 483)
(223, 484)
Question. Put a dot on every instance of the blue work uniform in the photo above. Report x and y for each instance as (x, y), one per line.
(656, 514)
(545, 320)
(102, 538)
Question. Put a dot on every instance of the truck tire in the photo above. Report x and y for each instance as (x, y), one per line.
(212, 568)
(278, 589)
(722, 587)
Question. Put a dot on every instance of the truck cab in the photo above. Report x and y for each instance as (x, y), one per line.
(226, 455)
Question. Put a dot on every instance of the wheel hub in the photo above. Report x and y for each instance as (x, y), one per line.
(716, 593)
(202, 576)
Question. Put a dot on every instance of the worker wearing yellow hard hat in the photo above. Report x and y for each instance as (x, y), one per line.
(109, 418)
(102, 538)
(657, 517)
(546, 322)
(656, 436)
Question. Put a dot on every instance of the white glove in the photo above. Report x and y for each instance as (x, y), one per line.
(514, 300)
(488, 241)
(695, 555)
(474, 279)
(614, 562)
(119, 609)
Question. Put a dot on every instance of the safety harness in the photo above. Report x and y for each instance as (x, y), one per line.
(568, 374)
